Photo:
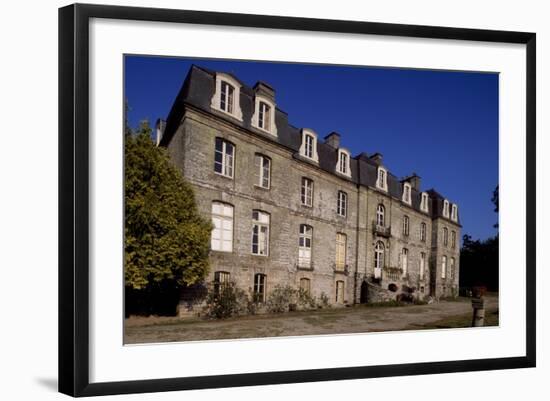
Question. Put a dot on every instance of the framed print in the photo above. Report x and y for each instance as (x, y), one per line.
(277, 199)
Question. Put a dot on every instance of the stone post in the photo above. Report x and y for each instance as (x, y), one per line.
(478, 318)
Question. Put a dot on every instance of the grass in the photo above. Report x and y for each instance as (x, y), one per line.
(453, 322)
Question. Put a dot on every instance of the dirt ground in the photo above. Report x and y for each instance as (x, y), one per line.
(357, 319)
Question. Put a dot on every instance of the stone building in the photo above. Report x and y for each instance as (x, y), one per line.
(291, 208)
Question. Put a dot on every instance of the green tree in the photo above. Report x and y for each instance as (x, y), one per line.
(166, 240)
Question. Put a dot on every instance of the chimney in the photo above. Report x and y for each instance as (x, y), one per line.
(264, 89)
(414, 180)
(377, 158)
(333, 139)
(159, 131)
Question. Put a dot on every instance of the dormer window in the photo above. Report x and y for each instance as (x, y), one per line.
(446, 208)
(454, 213)
(308, 149)
(382, 180)
(424, 202)
(264, 115)
(226, 96)
(406, 193)
(343, 164)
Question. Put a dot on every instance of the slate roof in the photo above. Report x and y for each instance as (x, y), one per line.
(199, 87)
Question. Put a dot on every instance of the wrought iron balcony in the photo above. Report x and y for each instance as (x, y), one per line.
(382, 231)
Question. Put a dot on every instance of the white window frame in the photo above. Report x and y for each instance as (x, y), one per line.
(260, 232)
(341, 250)
(304, 251)
(445, 236)
(407, 193)
(222, 235)
(423, 230)
(382, 183)
(314, 156)
(215, 102)
(380, 215)
(454, 212)
(405, 261)
(272, 128)
(343, 164)
(342, 204)
(306, 192)
(453, 239)
(228, 161)
(379, 255)
(424, 202)
(452, 268)
(221, 280)
(260, 282)
(443, 266)
(264, 177)
(446, 208)
(406, 225)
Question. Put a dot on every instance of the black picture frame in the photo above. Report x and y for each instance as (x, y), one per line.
(74, 198)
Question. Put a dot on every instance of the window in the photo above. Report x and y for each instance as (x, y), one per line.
(307, 192)
(407, 193)
(226, 96)
(423, 232)
(227, 100)
(443, 266)
(378, 259)
(221, 281)
(260, 233)
(382, 181)
(342, 207)
(454, 213)
(406, 225)
(446, 208)
(424, 202)
(305, 242)
(343, 163)
(339, 292)
(263, 170)
(405, 261)
(452, 268)
(222, 234)
(224, 158)
(308, 148)
(259, 287)
(422, 265)
(264, 114)
(445, 236)
(341, 244)
(305, 285)
(264, 118)
(380, 212)
(453, 239)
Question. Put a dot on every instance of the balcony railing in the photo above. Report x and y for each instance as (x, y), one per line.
(383, 231)
(392, 273)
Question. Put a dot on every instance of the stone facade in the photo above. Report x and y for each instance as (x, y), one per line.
(190, 135)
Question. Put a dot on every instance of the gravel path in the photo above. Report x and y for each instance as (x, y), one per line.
(358, 319)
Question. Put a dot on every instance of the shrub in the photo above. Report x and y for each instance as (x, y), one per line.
(228, 301)
(323, 301)
(280, 298)
(305, 300)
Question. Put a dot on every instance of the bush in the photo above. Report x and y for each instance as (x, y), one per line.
(305, 300)
(323, 301)
(227, 302)
(280, 299)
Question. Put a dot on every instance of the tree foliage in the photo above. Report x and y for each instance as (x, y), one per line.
(166, 240)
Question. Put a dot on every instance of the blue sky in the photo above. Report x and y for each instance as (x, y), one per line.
(443, 125)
